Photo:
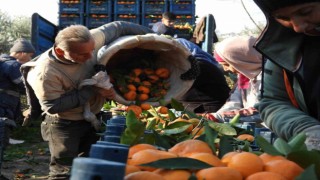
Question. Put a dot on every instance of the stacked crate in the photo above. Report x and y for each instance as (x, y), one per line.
(71, 12)
(152, 11)
(185, 14)
(127, 10)
(98, 12)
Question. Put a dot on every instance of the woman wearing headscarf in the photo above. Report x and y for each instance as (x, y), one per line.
(237, 55)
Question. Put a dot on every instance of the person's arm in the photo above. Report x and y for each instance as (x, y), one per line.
(70, 100)
(276, 109)
(109, 32)
(16, 77)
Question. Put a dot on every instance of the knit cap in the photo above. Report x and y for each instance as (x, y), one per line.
(22, 45)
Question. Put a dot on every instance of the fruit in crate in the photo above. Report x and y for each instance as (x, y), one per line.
(142, 84)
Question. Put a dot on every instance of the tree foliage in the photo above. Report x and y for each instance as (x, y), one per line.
(11, 29)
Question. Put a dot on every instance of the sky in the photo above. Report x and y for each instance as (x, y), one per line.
(230, 15)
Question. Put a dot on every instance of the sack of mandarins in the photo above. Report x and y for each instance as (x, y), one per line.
(147, 68)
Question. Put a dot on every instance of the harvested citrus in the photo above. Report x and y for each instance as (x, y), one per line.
(246, 163)
(149, 155)
(131, 87)
(145, 106)
(168, 174)
(136, 109)
(227, 157)
(221, 173)
(163, 110)
(208, 158)
(247, 137)
(190, 146)
(143, 175)
(163, 73)
(265, 176)
(143, 97)
(286, 168)
(143, 89)
(267, 158)
(130, 95)
(138, 147)
(131, 169)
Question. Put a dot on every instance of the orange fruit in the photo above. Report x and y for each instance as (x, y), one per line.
(247, 137)
(145, 106)
(138, 147)
(153, 78)
(221, 173)
(146, 83)
(131, 169)
(190, 146)
(163, 110)
(208, 158)
(168, 174)
(163, 73)
(137, 71)
(147, 156)
(265, 176)
(136, 109)
(143, 97)
(286, 168)
(140, 175)
(267, 158)
(227, 157)
(130, 95)
(143, 89)
(131, 87)
(148, 71)
(246, 163)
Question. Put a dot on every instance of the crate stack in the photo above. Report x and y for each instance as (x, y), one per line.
(71, 12)
(98, 13)
(152, 11)
(127, 10)
(185, 14)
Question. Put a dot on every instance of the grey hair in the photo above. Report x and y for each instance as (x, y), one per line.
(72, 34)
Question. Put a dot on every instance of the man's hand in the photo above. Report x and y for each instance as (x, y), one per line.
(107, 93)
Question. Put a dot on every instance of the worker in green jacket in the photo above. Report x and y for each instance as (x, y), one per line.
(290, 100)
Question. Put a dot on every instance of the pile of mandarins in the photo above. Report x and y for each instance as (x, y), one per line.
(142, 84)
(232, 166)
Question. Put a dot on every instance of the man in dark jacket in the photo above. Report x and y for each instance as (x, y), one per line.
(11, 84)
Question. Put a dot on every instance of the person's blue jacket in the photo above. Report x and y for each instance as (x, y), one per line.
(11, 86)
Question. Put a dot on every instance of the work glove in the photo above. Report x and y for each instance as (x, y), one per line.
(313, 137)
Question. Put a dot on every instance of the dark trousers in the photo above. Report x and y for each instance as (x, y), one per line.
(67, 139)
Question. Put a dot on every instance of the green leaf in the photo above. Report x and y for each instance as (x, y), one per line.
(223, 128)
(282, 146)
(172, 116)
(309, 173)
(151, 123)
(134, 129)
(178, 163)
(266, 146)
(176, 128)
(225, 145)
(235, 120)
(162, 141)
(305, 158)
(211, 136)
(178, 106)
(297, 142)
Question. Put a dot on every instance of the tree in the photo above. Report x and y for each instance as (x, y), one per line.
(12, 29)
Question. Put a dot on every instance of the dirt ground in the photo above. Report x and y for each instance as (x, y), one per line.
(31, 165)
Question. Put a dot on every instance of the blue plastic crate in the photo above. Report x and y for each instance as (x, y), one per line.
(185, 18)
(96, 20)
(182, 7)
(154, 6)
(149, 20)
(70, 19)
(127, 17)
(126, 7)
(70, 7)
(99, 7)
